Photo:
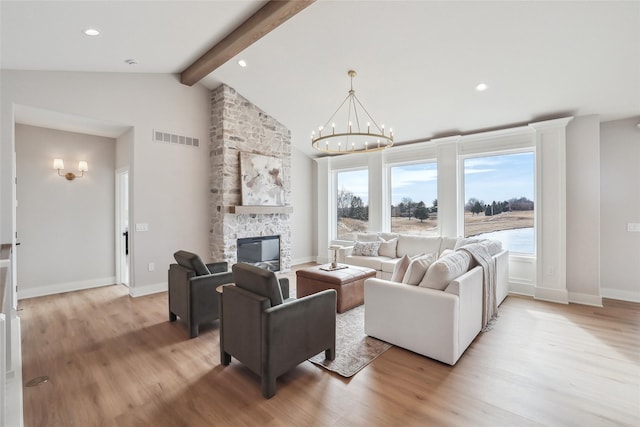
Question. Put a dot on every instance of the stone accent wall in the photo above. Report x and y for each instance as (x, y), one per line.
(239, 126)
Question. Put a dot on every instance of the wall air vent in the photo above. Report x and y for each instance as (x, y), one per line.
(160, 136)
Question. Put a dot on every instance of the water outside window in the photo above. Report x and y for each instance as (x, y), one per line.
(499, 200)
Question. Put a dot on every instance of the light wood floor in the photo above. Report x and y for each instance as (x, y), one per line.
(117, 361)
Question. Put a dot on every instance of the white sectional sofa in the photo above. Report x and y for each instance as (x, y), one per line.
(439, 324)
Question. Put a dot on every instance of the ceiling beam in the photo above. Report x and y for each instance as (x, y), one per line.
(268, 18)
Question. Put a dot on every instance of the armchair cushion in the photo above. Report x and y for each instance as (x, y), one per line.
(258, 281)
(192, 262)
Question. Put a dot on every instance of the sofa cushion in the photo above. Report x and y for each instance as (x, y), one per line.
(445, 269)
(388, 247)
(389, 265)
(400, 268)
(389, 236)
(411, 245)
(366, 248)
(366, 237)
(417, 269)
(374, 262)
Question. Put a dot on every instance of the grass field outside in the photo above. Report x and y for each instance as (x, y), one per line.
(474, 224)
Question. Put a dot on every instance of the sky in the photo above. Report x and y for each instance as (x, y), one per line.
(489, 178)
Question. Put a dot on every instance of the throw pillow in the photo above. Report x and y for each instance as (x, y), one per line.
(366, 248)
(446, 269)
(400, 269)
(417, 269)
(445, 253)
(388, 247)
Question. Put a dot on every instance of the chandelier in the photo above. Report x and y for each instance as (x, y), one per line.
(353, 138)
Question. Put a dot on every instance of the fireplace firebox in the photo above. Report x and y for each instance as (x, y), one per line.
(263, 252)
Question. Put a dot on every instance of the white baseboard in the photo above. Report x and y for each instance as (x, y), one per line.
(58, 288)
(322, 260)
(304, 260)
(140, 291)
(552, 295)
(521, 288)
(585, 299)
(631, 296)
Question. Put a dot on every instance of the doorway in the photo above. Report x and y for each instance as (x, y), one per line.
(123, 242)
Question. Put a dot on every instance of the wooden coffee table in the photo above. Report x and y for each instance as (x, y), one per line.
(347, 282)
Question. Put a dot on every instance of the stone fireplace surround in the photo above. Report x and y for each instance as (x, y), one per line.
(238, 126)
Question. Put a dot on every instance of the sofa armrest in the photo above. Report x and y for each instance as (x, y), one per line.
(502, 275)
(212, 280)
(344, 252)
(468, 288)
(218, 267)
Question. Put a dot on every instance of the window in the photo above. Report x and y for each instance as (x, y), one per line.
(414, 198)
(499, 199)
(352, 203)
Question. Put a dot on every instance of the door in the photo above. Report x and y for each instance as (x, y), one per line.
(122, 226)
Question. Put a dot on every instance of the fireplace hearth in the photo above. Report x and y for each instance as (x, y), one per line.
(263, 252)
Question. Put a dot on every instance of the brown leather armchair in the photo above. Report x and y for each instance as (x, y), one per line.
(269, 333)
(192, 290)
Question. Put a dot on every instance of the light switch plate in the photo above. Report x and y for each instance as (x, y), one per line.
(143, 226)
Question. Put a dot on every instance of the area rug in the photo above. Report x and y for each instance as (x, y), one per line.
(354, 349)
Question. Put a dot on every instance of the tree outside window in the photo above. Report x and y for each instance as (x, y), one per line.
(414, 203)
(352, 207)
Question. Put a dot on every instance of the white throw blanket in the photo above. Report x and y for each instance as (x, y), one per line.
(481, 253)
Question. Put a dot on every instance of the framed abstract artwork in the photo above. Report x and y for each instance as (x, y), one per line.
(261, 180)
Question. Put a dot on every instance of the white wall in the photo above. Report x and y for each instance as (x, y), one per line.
(169, 182)
(65, 228)
(620, 205)
(583, 210)
(302, 218)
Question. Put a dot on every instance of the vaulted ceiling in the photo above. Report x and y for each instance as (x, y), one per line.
(418, 62)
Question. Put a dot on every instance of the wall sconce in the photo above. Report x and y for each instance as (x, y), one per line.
(82, 167)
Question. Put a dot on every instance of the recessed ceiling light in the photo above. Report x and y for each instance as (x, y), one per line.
(481, 87)
(242, 63)
(91, 32)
